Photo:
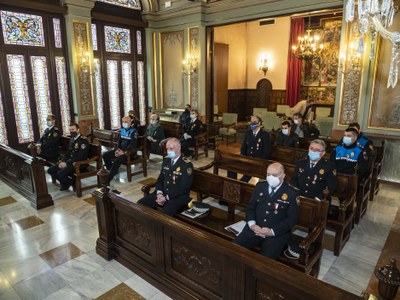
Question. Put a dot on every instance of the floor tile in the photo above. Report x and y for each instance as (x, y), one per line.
(26, 223)
(65, 293)
(142, 287)
(7, 200)
(61, 254)
(121, 292)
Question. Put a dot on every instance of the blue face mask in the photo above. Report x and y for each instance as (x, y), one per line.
(253, 126)
(171, 154)
(285, 131)
(313, 155)
(347, 140)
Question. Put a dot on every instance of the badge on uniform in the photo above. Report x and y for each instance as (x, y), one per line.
(322, 171)
(259, 140)
(83, 146)
(55, 134)
(178, 169)
(284, 196)
(76, 145)
(189, 171)
(352, 154)
(301, 170)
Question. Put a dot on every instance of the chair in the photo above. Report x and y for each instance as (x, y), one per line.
(260, 112)
(271, 121)
(228, 128)
(323, 112)
(324, 125)
(282, 109)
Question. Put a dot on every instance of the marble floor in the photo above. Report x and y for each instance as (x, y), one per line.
(50, 254)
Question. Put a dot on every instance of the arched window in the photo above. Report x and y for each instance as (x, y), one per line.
(33, 73)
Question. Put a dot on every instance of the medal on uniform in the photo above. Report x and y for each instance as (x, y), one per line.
(178, 169)
(276, 205)
(322, 171)
(315, 178)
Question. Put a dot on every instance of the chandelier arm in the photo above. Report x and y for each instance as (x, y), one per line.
(393, 36)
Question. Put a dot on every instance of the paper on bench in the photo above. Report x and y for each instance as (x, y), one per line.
(236, 228)
(192, 213)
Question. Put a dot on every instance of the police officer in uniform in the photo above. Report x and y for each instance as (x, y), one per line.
(348, 155)
(256, 143)
(315, 174)
(271, 214)
(190, 131)
(315, 177)
(78, 150)
(362, 140)
(127, 141)
(174, 182)
(49, 143)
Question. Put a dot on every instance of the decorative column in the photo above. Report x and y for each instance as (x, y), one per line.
(78, 22)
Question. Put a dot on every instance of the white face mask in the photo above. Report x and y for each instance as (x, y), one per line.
(285, 131)
(273, 181)
(125, 125)
(347, 140)
(192, 116)
(296, 122)
(49, 123)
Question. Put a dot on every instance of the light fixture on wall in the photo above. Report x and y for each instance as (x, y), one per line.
(189, 65)
(263, 64)
(352, 60)
(308, 47)
(375, 16)
(84, 63)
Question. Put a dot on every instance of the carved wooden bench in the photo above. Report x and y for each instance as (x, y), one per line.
(312, 216)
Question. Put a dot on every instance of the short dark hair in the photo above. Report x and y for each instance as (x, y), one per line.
(74, 124)
(53, 117)
(351, 129)
(355, 125)
(298, 115)
(286, 123)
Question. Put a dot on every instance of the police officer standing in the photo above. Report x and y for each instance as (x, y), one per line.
(78, 150)
(190, 131)
(49, 143)
(256, 143)
(127, 141)
(174, 182)
(271, 214)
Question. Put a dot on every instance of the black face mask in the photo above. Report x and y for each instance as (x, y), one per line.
(73, 134)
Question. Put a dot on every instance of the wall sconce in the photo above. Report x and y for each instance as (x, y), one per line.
(263, 64)
(353, 59)
(84, 64)
(189, 65)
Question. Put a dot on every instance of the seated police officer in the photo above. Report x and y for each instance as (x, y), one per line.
(190, 131)
(185, 116)
(286, 137)
(348, 155)
(49, 143)
(315, 177)
(256, 143)
(127, 141)
(363, 141)
(271, 214)
(78, 150)
(154, 134)
(174, 182)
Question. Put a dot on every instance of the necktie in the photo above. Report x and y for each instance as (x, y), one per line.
(312, 165)
(272, 192)
(172, 163)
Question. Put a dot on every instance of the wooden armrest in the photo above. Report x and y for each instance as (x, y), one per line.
(146, 188)
(312, 237)
(206, 167)
(345, 204)
(77, 164)
(228, 125)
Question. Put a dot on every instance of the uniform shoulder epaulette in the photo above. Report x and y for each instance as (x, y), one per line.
(186, 160)
(293, 187)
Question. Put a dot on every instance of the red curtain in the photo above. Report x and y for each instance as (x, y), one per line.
(293, 77)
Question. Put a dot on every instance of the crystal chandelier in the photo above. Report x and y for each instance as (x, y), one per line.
(308, 47)
(375, 16)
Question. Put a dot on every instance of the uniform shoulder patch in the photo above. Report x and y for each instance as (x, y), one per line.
(189, 171)
(186, 160)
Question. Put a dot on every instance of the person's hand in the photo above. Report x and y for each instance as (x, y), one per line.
(62, 165)
(265, 231)
(38, 150)
(161, 199)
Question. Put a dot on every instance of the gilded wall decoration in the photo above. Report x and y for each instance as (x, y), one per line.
(171, 63)
(384, 110)
(194, 78)
(352, 64)
(81, 36)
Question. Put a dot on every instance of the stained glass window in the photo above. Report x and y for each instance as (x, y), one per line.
(19, 89)
(94, 37)
(113, 93)
(127, 85)
(22, 29)
(133, 4)
(139, 41)
(3, 133)
(41, 86)
(141, 88)
(57, 33)
(99, 91)
(117, 39)
(62, 85)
